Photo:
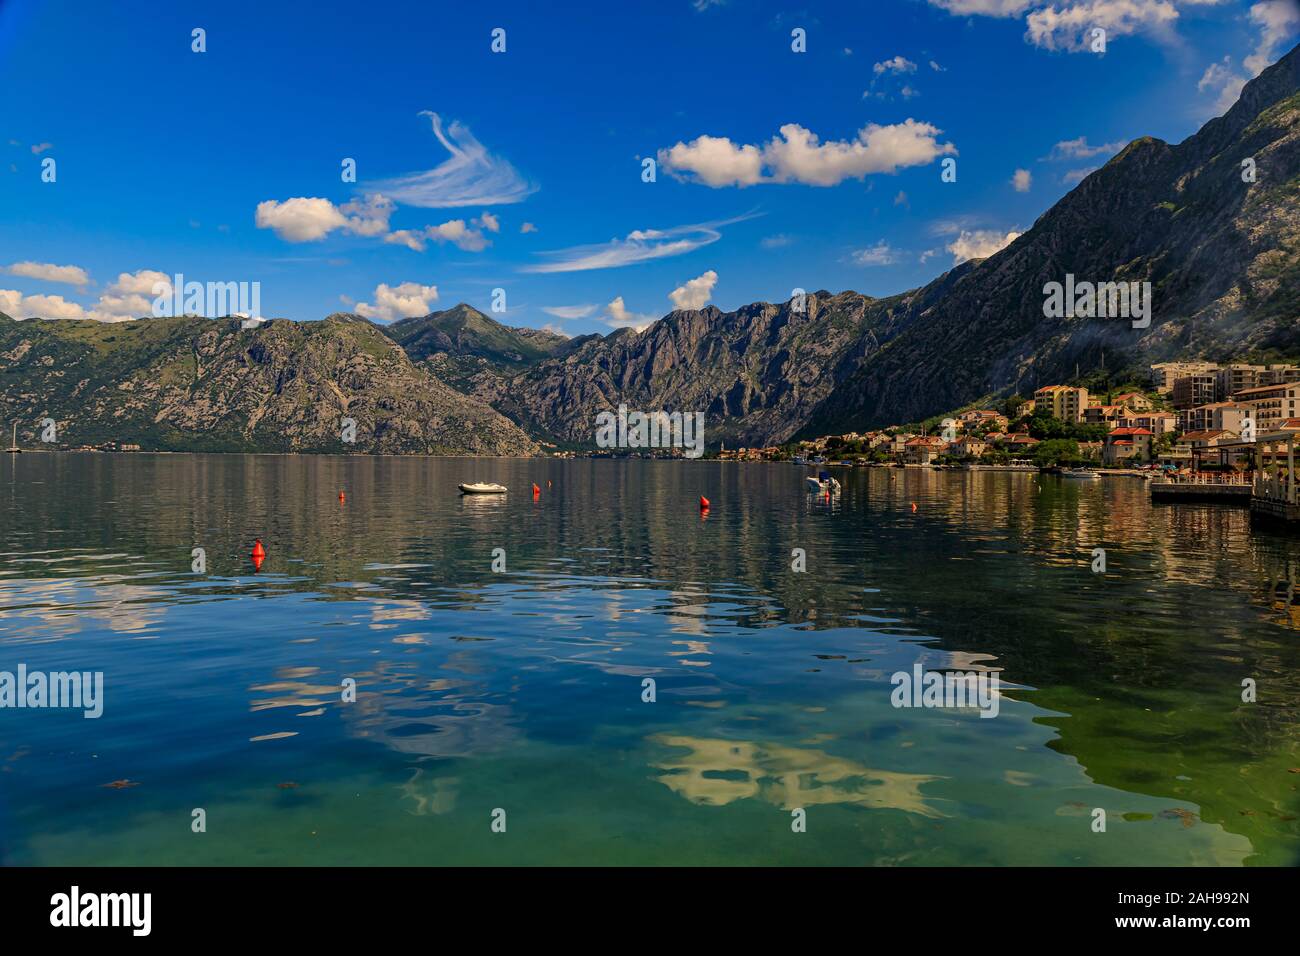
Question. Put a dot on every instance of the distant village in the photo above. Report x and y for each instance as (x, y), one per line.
(1195, 414)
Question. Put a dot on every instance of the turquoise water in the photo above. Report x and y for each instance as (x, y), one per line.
(521, 690)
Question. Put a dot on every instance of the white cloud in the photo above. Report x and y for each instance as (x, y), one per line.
(310, 219)
(617, 315)
(642, 245)
(979, 244)
(18, 306)
(1022, 180)
(527, 227)
(1222, 80)
(41, 147)
(489, 222)
(1278, 20)
(936, 67)
(1068, 24)
(141, 282)
(796, 155)
(780, 240)
(471, 176)
(695, 293)
(455, 231)
(716, 161)
(570, 311)
(897, 64)
(130, 297)
(1070, 27)
(881, 254)
(48, 272)
(405, 301)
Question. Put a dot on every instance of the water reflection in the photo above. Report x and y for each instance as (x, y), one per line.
(772, 685)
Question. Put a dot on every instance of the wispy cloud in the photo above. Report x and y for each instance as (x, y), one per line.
(881, 254)
(470, 176)
(642, 245)
(1080, 148)
(570, 311)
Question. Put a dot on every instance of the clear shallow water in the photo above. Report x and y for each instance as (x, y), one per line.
(522, 690)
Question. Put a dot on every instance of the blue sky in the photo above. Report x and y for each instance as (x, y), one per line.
(775, 169)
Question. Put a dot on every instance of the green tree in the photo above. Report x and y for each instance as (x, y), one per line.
(1056, 451)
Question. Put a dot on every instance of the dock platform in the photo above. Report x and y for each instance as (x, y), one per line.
(1235, 493)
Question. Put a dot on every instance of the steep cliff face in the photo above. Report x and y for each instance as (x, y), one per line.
(756, 372)
(202, 384)
(1222, 255)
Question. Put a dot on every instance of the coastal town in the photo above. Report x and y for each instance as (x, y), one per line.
(1191, 417)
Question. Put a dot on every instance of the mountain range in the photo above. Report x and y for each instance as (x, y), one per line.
(1212, 223)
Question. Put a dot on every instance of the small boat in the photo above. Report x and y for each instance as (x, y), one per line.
(823, 484)
(1079, 473)
(482, 488)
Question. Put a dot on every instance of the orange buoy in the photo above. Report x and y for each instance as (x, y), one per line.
(913, 507)
(536, 491)
(342, 496)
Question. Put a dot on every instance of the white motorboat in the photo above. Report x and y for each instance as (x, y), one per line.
(1079, 473)
(823, 484)
(482, 488)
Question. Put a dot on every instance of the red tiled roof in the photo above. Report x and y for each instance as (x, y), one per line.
(1131, 431)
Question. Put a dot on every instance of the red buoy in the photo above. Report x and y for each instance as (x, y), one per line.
(913, 507)
(258, 550)
(342, 497)
(536, 491)
(704, 503)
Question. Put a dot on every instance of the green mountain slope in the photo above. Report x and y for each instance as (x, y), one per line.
(204, 384)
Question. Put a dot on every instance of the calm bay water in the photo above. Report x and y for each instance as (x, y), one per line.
(522, 690)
